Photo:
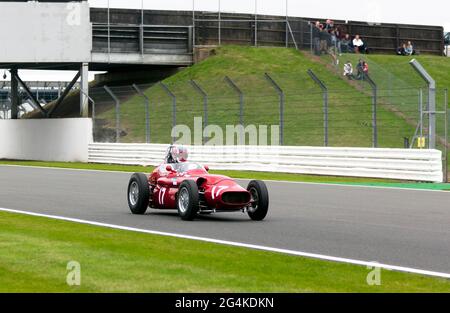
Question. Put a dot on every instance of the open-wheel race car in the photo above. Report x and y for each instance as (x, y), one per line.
(188, 187)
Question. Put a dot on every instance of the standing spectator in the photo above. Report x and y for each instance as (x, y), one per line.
(360, 70)
(409, 49)
(316, 37)
(348, 70)
(329, 26)
(365, 69)
(334, 42)
(338, 34)
(325, 40)
(358, 44)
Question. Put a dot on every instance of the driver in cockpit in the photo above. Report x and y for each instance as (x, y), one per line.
(176, 155)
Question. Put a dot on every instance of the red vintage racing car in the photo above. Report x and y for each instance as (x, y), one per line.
(189, 188)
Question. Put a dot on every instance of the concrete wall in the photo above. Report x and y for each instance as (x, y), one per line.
(45, 32)
(64, 140)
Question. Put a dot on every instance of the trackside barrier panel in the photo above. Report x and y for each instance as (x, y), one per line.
(401, 164)
(58, 139)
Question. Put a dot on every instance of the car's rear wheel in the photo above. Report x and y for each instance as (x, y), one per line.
(260, 200)
(187, 200)
(138, 193)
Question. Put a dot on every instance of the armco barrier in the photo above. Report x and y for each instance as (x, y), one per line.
(402, 164)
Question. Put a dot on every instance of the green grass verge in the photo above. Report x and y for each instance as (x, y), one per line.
(39, 249)
(233, 174)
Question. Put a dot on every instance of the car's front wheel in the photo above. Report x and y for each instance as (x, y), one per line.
(260, 200)
(187, 200)
(138, 193)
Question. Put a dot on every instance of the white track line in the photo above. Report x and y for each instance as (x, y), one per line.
(245, 179)
(242, 245)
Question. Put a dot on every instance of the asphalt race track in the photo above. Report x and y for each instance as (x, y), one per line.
(399, 227)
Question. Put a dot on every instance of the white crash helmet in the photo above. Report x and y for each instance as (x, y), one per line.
(179, 154)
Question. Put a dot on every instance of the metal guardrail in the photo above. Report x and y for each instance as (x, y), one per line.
(402, 164)
(144, 39)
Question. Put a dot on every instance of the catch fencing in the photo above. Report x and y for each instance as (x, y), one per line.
(325, 111)
(401, 164)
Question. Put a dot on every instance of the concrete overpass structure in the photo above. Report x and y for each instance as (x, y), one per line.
(59, 35)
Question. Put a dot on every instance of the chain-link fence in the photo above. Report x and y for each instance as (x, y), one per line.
(308, 110)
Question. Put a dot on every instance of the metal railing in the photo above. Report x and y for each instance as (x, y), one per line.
(144, 39)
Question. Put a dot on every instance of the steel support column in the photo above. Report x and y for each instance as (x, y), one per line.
(34, 101)
(15, 102)
(64, 94)
(84, 96)
(431, 108)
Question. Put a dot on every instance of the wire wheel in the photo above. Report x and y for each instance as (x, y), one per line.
(133, 194)
(183, 200)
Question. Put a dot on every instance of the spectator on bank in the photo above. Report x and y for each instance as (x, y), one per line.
(325, 40)
(360, 70)
(365, 68)
(329, 25)
(347, 44)
(316, 37)
(409, 49)
(333, 42)
(339, 37)
(358, 45)
(402, 50)
(348, 70)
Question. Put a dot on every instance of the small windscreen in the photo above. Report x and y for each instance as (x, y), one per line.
(184, 167)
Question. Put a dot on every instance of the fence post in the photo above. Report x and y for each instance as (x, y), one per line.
(431, 109)
(446, 135)
(203, 93)
(117, 101)
(421, 111)
(374, 110)
(93, 112)
(235, 87)
(190, 45)
(287, 21)
(256, 23)
(147, 113)
(419, 129)
(174, 105)
(282, 101)
(325, 104)
(220, 24)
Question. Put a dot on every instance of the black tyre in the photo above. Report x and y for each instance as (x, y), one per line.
(187, 200)
(260, 197)
(138, 193)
